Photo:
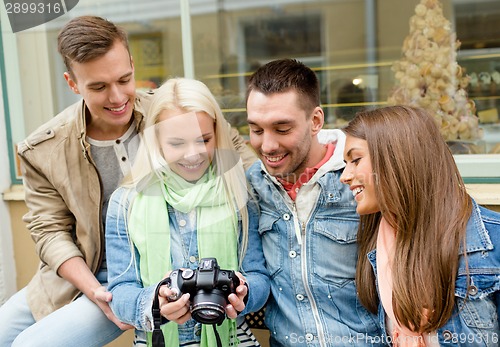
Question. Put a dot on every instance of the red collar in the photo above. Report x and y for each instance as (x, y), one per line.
(293, 188)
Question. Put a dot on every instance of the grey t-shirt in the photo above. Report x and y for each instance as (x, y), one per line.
(113, 160)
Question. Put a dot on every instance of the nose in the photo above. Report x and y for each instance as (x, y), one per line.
(115, 94)
(346, 176)
(269, 143)
(193, 153)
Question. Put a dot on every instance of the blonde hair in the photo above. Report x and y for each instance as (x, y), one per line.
(422, 196)
(191, 95)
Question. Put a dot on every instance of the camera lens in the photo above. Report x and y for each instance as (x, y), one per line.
(208, 308)
(208, 314)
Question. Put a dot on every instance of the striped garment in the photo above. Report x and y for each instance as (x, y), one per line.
(243, 331)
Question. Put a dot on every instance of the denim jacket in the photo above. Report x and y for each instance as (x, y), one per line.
(311, 259)
(132, 302)
(475, 318)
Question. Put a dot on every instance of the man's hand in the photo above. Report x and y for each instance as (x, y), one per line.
(102, 298)
(76, 272)
(236, 303)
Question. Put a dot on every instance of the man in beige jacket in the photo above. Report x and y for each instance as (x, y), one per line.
(71, 165)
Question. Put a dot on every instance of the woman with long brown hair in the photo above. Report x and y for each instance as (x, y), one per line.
(429, 256)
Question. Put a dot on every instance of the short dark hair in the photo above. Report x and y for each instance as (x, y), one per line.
(86, 38)
(282, 75)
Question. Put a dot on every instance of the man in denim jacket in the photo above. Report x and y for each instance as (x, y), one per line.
(308, 223)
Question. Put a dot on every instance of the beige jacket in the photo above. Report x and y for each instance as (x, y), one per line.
(64, 199)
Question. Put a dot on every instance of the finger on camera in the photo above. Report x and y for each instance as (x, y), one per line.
(241, 277)
(168, 293)
(236, 302)
(242, 290)
(176, 309)
(231, 312)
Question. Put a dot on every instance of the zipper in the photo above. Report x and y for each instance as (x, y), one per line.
(305, 278)
(101, 229)
(296, 225)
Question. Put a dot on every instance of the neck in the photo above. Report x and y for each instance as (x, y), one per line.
(316, 153)
(104, 132)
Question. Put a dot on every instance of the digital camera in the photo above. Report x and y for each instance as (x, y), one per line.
(208, 286)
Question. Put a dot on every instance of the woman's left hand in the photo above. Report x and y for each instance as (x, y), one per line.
(236, 302)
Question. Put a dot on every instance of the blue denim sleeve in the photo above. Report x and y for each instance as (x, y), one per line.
(131, 302)
(497, 302)
(254, 265)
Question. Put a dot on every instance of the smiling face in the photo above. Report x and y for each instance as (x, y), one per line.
(358, 174)
(108, 87)
(284, 134)
(187, 142)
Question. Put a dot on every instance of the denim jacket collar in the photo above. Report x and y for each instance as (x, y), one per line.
(477, 238)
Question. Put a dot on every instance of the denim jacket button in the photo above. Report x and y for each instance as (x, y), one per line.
(292, 254)
(309, 337)
(286, 216)
(182, 223)
(192, 259)
(473, 290)
(447, 335)
(300, 297)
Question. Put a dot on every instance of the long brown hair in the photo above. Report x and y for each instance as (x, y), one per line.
(422, 196)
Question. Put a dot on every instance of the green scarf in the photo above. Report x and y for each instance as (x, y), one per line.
(217, 228)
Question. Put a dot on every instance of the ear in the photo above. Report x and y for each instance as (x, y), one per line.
(317, 120)
(71, 83)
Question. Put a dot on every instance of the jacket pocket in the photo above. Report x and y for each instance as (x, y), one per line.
(334, 250)
(271, 243)
(475, 302)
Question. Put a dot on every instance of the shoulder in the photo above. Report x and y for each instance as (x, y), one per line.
(119, 202)
(255, 170)
(483, 226)
(491, 221)
(256, 176)
(142, 103)
(482, 237)
(143, 99)
(123, 195)
(489, 216)
(57, 128)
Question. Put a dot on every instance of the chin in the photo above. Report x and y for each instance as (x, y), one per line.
(363, 210)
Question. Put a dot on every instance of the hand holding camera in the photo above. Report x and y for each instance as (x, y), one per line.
(206, 294)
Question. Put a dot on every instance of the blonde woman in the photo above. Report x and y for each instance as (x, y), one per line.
(186, 199)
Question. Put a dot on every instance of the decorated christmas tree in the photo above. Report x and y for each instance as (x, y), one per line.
(429, 76)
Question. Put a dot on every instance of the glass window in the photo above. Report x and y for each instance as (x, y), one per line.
(352, 45)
